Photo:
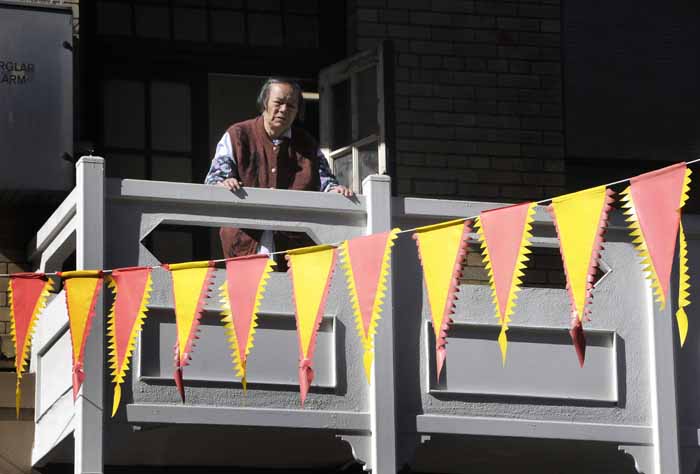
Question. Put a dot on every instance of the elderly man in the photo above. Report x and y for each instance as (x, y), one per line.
(269, 152)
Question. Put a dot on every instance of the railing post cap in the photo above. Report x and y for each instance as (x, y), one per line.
(382, 178)
(97, 160)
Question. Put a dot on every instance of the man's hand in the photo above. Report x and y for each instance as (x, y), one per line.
(231, 183)
(340, 189)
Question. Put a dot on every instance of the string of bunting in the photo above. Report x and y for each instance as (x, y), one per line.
(652, 204)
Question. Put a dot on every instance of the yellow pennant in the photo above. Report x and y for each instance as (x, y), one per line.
(580, 220)
(311, 269)
(442, 249)
(82, 288)
(190, 288)
(191, 283)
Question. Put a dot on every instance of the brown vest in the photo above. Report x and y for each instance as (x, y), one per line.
(291, 165)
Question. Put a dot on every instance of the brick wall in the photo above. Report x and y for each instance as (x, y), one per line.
(477, 93)
(545, 268)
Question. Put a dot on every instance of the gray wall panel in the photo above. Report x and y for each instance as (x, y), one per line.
(617, 308)
(275, 341)
(540, 364)
(36, 101)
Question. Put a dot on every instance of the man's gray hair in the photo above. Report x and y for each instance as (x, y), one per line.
(264, 94)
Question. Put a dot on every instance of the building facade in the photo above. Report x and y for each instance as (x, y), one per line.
(492, 101)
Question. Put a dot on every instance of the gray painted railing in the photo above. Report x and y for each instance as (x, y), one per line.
(625, 395)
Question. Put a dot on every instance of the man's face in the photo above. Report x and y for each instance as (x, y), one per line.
(281, 108)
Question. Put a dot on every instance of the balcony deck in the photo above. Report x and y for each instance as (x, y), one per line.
(629, 396)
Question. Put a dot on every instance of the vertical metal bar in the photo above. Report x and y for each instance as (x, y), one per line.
(386, 61)
(381, 112)
(356, 186)
(377, 189)
(355, 129)
(354, 108)
(325, 126)
(88, 432)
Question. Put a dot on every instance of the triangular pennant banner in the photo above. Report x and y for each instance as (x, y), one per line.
(366, 261)
(505, 238)
(191, 282)
(580, 220)
(311, 269)
(241, 294)
(653, 203)
(442, 249)
(27, 293)
(82, 288)
(132, 290)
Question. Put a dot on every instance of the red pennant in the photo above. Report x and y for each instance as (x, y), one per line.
(132, 287)
(27, 293)
(657, 198)
(579, 339)
(367, 255)
(366, 263)
(504, 229)
(242, 293)
(505, 235)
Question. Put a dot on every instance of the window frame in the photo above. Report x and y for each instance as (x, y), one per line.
(148, 151)
(349, 70)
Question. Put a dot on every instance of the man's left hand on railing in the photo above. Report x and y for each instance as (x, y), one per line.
(340, 189)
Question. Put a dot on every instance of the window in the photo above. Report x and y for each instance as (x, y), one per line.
(147, 129)
(353, 116)
(294, 23)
